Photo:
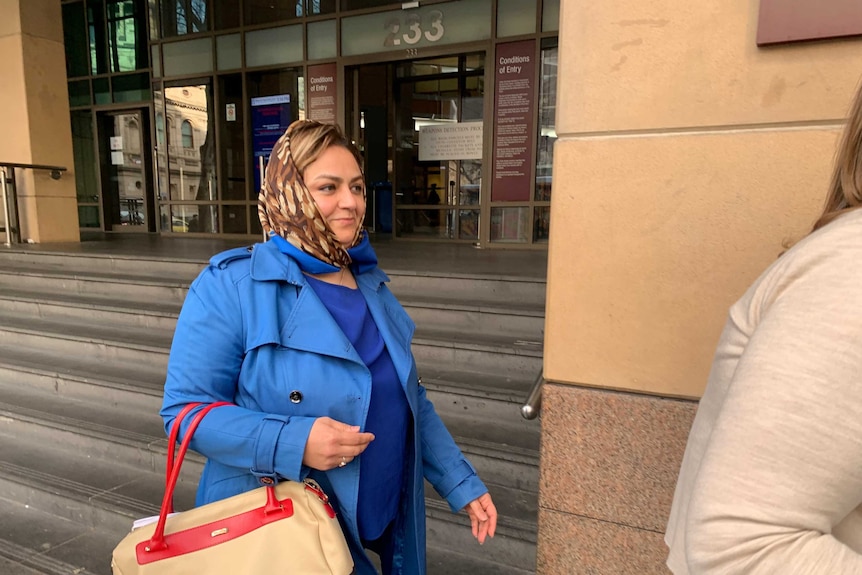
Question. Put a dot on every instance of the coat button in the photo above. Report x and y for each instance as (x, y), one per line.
(295, 396)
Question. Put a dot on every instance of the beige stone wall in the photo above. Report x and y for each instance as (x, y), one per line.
(687, 157)
(34, 112)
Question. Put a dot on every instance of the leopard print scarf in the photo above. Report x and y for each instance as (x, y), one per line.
(287, 208)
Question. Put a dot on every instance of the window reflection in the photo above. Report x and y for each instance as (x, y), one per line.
(186, 159)
(547, 123)
(127, 42)
(180, 17)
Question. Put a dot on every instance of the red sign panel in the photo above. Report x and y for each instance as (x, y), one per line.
(322, 89)
(514, 132)
(795, 20)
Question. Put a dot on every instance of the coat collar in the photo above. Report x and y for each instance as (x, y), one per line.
(269, 264)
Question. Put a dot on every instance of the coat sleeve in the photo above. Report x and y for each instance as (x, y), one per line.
(446, 468)
(205, 360)
(783, 465)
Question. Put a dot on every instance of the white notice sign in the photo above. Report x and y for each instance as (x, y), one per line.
(116, 142)
(117, 158)
(440, 142)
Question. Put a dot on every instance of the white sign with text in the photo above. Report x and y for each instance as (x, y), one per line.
(460, 141)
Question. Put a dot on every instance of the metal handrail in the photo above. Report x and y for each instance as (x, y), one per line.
(56, 172)
(533, 404)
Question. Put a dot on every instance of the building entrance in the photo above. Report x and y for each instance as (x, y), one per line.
(405, 117)
(127, 199)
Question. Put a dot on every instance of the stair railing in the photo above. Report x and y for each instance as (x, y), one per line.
(7, 175)
(533, 404)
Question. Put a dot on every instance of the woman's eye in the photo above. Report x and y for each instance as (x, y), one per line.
(358, 189)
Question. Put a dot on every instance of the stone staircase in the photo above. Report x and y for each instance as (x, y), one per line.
(84, 341)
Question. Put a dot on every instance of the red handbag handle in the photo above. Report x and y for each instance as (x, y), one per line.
(157, 541)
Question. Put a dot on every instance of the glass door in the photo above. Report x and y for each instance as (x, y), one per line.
(126, 204)
(419, 184)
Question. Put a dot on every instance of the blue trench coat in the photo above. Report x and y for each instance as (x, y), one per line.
(252, 332)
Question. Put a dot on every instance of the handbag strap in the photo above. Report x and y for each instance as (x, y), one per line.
(157, 541)
(172, 439)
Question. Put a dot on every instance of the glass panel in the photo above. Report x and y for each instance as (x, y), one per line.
(547, 124)
(315, 7)
(256, 228)
(123, 176)
(542, 224)
(195, 219)
(88, 216)
(157, 62)
(127, 42)
(360, 4)
(192, 169)
(425, 223)
(474, 62)
(322, 40)
(84, 151)
(188, 57)
(101, 91)
(267, 11)
(471, 182)
(231, 122)
(226, 14)
(96, 37)
(550, 15)
(75, 37)
(229, 52)
(472, 102)
(181, 17)
(79, 93)
(131, 88)
(234, 220)
(509, 224)
(428, 26)
(468, 225)
(273, 46)
(516, 17)
(273, 98)
(153, 9)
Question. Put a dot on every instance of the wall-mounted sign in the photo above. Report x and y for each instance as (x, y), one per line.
(116, 142)
(514, 132)
(441, 142)
(796, 20)
(230, 112)
(448, 23)
(322, 86)
(270, 117)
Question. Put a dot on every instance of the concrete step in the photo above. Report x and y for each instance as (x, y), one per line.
(33, 542)
(489, 289)
(497, 355)
(95, 285)
(112, 294)
(142, 265)
(95, 493)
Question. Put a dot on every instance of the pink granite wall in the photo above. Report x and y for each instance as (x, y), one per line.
(608, 468)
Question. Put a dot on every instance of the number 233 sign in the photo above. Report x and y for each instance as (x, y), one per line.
(410, 29)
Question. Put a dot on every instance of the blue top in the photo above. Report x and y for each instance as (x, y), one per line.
(381, 466)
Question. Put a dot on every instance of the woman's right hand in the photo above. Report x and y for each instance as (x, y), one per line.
(333, 444)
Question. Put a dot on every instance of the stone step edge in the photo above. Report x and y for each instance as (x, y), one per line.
(158, 443)
(154, 386)
(457, 305)
(55, 329)
(44, 564)
(143, 258)
(78, 301)
(134, 508)
(115, 277)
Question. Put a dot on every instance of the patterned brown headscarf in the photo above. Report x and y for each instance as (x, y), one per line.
(286, 207)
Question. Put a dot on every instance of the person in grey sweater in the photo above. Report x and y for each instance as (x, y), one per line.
(771, 480)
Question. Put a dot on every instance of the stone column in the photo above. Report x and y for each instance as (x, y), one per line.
(34, 115)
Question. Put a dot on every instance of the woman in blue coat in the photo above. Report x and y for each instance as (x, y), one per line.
(303, 336)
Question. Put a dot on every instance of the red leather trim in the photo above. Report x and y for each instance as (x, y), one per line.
(202, 537)
(324, 498)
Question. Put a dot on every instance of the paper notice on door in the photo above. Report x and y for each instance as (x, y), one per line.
(116, 142)
(117, 158)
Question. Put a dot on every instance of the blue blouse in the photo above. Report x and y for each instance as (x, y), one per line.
(381, 466)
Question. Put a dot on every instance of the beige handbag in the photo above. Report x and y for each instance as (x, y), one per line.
(289, 528)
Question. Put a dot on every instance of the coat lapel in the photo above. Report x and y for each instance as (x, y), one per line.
(392, 321)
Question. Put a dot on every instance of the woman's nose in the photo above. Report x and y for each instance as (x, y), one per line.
(346, 198)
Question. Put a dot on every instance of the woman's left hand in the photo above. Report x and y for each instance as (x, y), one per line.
(483, 517)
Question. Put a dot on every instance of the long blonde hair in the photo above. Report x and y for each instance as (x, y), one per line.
(845, 189)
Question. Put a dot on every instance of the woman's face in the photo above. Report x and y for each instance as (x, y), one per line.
(336, 184)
